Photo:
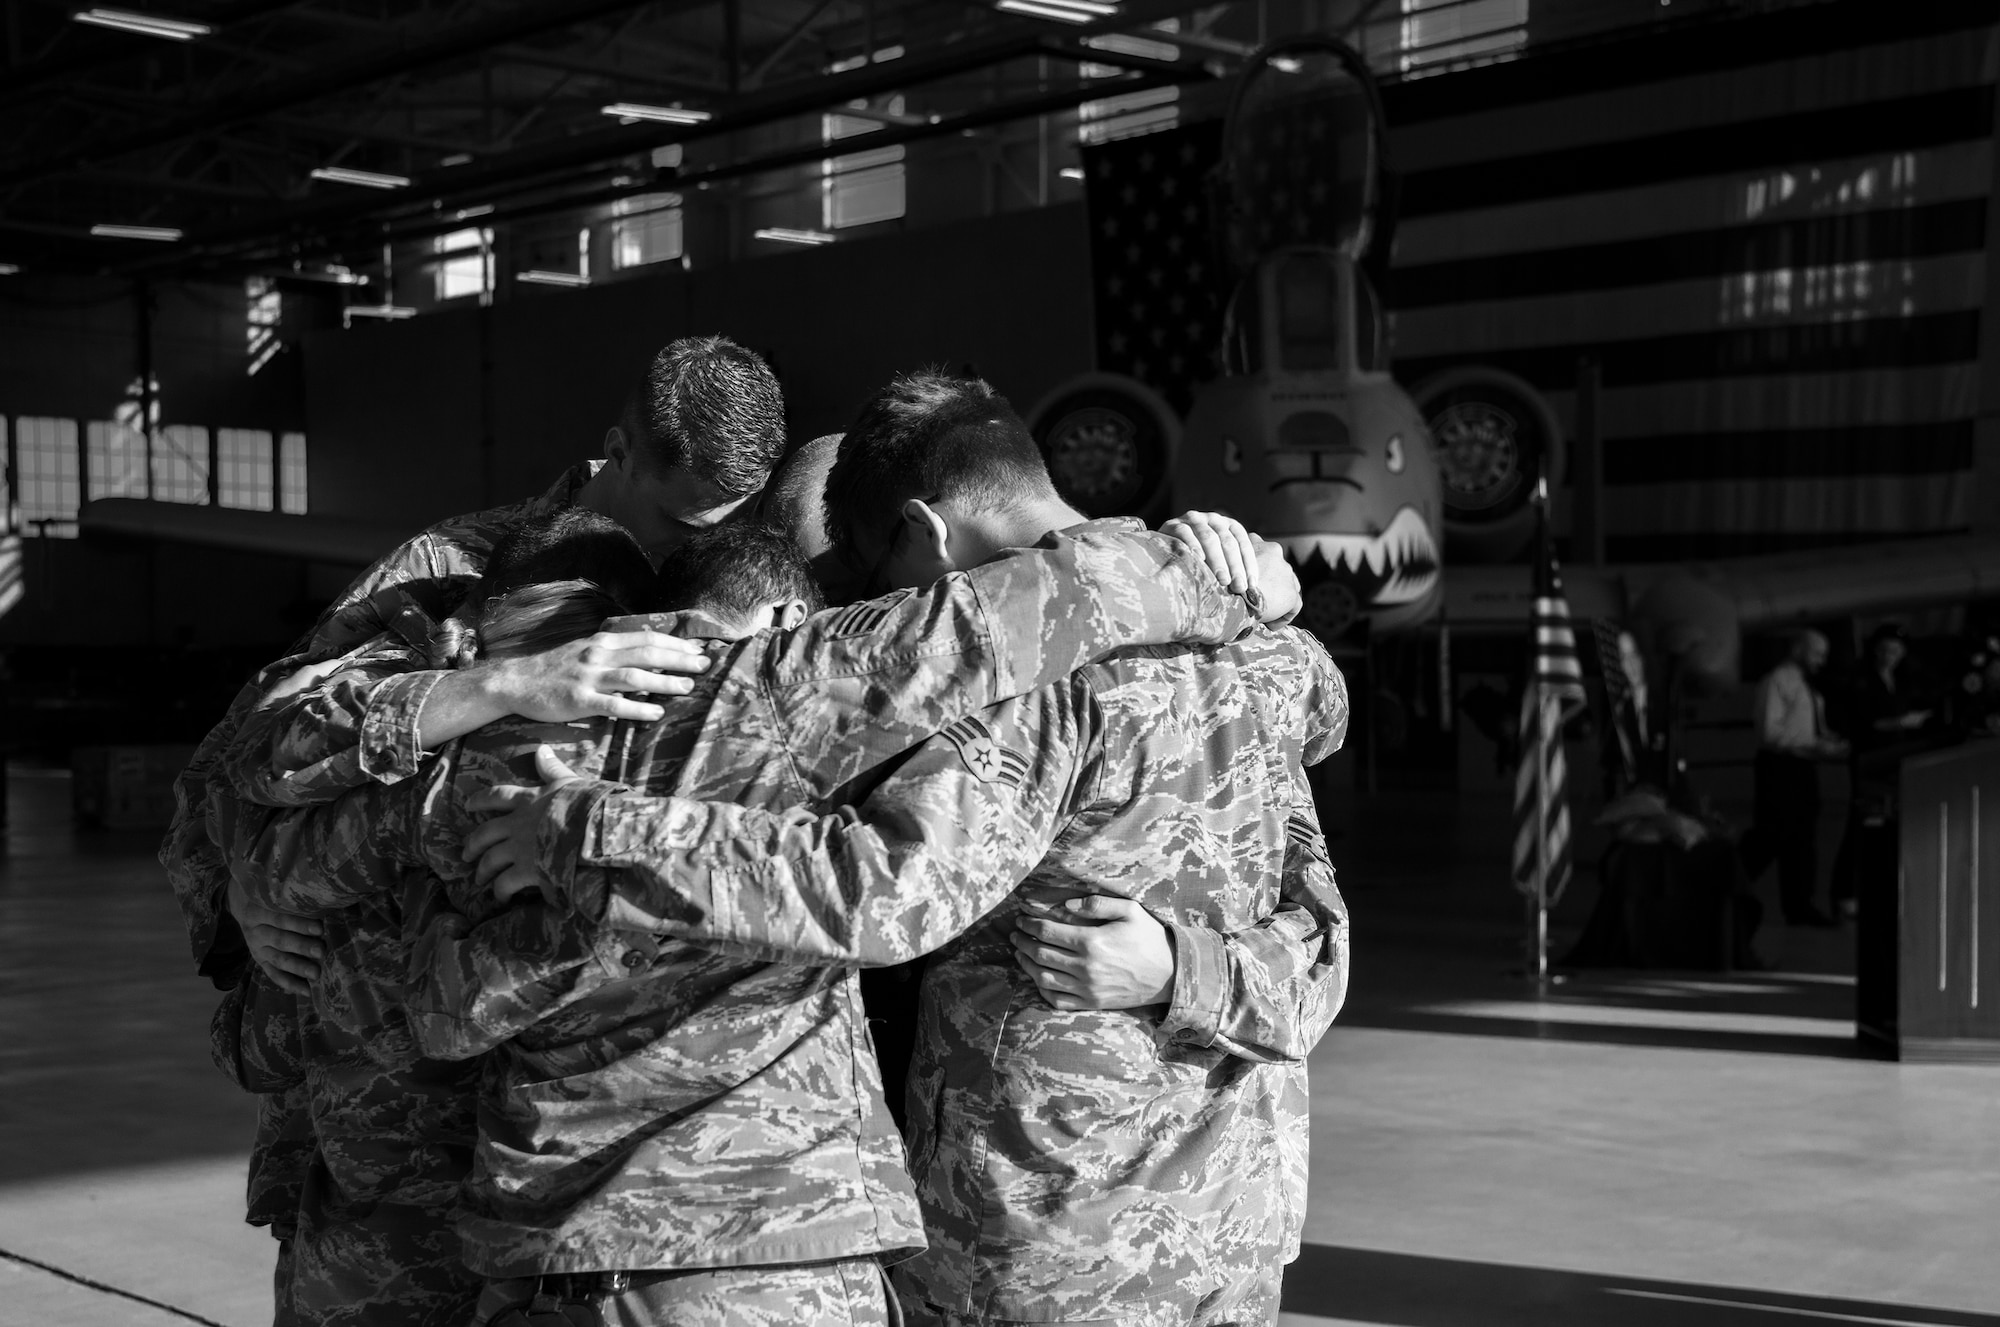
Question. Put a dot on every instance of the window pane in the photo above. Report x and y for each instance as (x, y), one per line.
(469, 271)
(649, 230)
(858, 197)
(292, 474)
(117, 460)
(180, 464)
(7, 514)
(243, 468)
(47, 469)
(266, 308)
(861, 187)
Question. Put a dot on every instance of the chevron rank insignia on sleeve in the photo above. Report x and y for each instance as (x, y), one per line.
(859, 619)
(1300, 830)
(987, 759)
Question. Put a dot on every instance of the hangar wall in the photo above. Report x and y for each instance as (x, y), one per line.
(416, 420)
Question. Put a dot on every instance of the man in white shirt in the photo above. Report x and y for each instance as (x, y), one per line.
(1791, 738)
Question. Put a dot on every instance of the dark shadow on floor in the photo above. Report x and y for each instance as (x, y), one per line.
(1407, 1290)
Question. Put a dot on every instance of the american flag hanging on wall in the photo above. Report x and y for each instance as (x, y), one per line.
(1554, 692)
(1160, 288)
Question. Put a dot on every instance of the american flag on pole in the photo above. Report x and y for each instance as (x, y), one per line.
(1554, 692)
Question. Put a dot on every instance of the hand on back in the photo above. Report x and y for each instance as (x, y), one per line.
(590, 676)
(284, 944)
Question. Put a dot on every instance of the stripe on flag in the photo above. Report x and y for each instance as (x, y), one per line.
(1554, 692)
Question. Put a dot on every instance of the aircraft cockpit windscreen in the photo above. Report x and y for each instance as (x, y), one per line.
(1301, 153)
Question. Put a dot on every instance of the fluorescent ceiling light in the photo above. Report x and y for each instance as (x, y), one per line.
(164, 234)
(1071, 172)
(9, 269)
(146, 25)
(1062, 11)
(541, 278)
(467, 213)
(390, 311)
(1119, 43)
(367, 179)
(628, 111)
(456, 159)
(786, 235)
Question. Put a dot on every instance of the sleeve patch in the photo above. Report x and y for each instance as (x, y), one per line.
(860, 619)
(989, 761)
(1301, 831)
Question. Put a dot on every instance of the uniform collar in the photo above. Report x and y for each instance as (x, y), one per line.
(686, 623)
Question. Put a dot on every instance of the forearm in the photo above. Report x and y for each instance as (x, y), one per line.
(1267, 993)
(357, 727)
(828, 889)
(473, 986)
(458, 703)
(305, 860)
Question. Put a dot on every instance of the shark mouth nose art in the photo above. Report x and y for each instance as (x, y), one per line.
(1398, 566)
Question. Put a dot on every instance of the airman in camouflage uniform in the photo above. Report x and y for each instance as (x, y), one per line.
(1073, 1164)
(665, 1108)
(1112, 1165)
(371, 719)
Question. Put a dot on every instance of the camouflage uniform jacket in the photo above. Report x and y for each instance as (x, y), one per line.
(432, 572)
(674, 1106)
(1071, 1165)
(391, 1126)
(375, 722)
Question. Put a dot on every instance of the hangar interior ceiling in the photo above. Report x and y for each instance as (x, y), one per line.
(232, 130)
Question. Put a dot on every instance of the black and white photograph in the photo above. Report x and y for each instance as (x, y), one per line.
(1000, 663)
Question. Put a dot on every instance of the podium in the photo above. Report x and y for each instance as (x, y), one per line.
(1928, 961)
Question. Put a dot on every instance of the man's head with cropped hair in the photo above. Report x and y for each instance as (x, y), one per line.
(746, 576)
(695, 441)
(953, 445)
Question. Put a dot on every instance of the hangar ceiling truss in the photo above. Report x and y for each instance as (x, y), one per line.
(489, 107)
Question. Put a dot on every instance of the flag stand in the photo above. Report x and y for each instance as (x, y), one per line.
(1554, 685)
(1539, 964)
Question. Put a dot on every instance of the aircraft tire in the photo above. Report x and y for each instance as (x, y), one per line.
(1493, 433)
(1110, 442)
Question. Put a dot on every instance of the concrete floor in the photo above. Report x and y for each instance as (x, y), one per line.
(1630, 1149)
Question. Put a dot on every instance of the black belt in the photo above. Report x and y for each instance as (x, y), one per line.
(565, 1299)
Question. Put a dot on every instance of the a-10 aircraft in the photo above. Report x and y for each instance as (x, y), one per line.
(1305, 435)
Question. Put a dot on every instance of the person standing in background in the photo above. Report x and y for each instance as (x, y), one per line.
(1791, 739)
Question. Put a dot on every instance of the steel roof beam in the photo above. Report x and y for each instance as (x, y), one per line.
(104, 48)
(290, 92)
(529, 167)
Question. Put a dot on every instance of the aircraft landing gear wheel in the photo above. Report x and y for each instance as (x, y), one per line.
(1494, 434)
(1110, 443)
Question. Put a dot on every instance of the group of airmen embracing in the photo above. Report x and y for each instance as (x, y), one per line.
(545, 876)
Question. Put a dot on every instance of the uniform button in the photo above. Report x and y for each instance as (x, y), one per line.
(633, 958)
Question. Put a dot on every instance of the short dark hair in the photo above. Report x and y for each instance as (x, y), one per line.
(730, 570)
(548, 581)
(712, 408)
(932, 436)
(570, 543)
(795, 499)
